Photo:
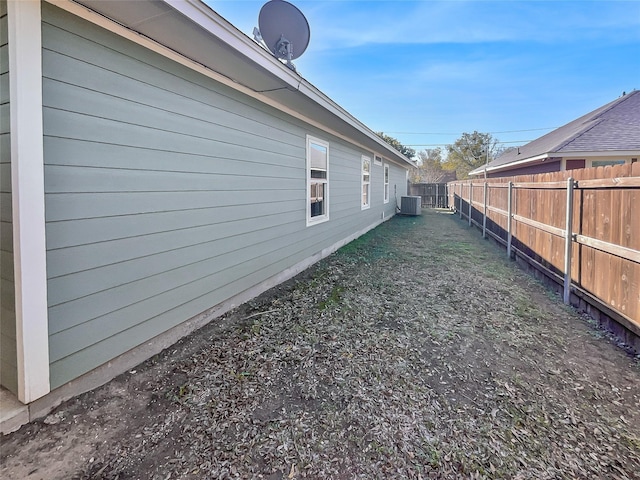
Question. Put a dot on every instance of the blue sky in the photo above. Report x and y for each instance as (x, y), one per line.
(427, 71)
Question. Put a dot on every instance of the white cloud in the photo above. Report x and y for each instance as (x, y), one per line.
(337, 24)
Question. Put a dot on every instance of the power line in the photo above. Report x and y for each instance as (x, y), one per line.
(445, 144)
(458, 133)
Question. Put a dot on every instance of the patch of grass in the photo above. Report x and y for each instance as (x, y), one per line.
(180, 394)
(256, 327)
(524, 309)
(433, 457)
(334, 298)
(631, 441)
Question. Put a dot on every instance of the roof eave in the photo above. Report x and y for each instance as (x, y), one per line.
(565, 155)
(300, 95)
(597, 153)
(508, 166)
(197, 11)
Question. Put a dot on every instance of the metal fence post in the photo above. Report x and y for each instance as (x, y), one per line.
(470, 200)
(509, 215)
(484, 212)
(446, 195)
(568, 242)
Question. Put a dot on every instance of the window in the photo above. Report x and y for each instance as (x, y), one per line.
(317, 181)
(366, 181)
(377, 160)
(604, 163)
(386, 183)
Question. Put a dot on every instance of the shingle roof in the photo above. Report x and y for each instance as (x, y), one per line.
(614, 127)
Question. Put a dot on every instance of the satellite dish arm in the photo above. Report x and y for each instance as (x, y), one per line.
(284, 49)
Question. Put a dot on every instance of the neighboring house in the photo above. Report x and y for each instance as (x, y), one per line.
(421, 175)
(609, 135)
(158, 168)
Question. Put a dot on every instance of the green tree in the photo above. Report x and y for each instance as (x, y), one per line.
(395, 143)
(470, 151)
(429, 166)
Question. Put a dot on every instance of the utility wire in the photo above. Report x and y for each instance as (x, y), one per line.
(445, 144)
(441, 133)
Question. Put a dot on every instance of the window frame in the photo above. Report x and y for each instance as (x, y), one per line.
(365, 183)
(607, 162)
(315, 220)
(386, 174)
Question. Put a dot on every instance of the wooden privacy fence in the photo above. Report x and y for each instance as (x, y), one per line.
(434, 195)
(580, 227)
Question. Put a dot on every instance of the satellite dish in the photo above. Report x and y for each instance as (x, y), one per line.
(283, 29)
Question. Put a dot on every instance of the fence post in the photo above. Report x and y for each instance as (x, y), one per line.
(470, 200)
(568, 242)
(484, 212)
(446, 195)
(460, 210)
(509, 215)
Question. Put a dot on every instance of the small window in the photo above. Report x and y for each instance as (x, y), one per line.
(386, 183)
(604, 163)
(377, 160)
(317, 181)
(366, 181)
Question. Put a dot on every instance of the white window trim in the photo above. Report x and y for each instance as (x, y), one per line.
(609, 161)
(386, 177)
(364, 159)
(27, 190)
(320, 218)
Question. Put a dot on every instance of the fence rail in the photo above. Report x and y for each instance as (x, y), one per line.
(582, 227)
(434, 195)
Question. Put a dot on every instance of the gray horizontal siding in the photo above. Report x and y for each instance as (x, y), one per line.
(4, 80)
(215, 247)
(166, 193)
(4, 123)
(8, 362)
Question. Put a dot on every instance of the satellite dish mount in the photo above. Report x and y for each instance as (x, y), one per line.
(284, 49)
(283, 30)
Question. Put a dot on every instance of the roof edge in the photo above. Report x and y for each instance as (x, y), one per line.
(252, 50)
(507, 166)
(205, 17)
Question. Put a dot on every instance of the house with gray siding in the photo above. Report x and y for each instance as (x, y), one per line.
(158, 167)
(609, 135)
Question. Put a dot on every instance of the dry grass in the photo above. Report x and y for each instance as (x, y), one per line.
(415, 352)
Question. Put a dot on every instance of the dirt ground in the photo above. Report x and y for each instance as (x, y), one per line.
(418, 351)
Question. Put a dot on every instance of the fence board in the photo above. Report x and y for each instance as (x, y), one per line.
(606, 226)
(434, 195)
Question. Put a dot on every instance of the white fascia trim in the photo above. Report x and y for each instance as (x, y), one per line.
(317, 96)
(508, 166)
(544, 156)
(27, 188)
(204, 16)
(201, 14)
(603, 154)
(563, 155)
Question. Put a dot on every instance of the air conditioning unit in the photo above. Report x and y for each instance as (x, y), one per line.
(411, 205)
